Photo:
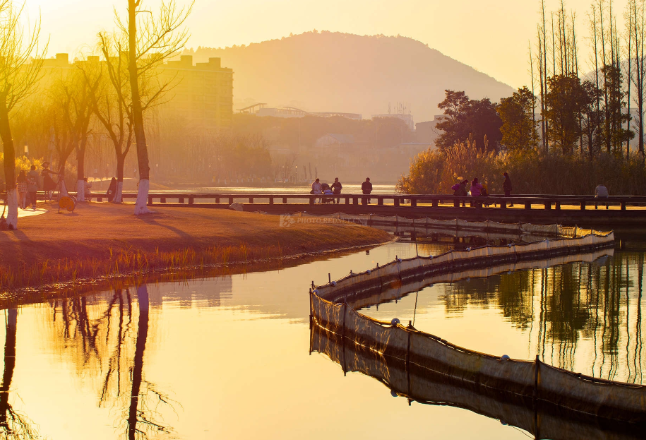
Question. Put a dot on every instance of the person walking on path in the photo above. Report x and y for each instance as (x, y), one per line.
(506, 186)
(336, 189)
(48, 183)
(32, 186)
(317, 189)
(22, 189)
(112, 190)
(601, 192)
(366, 188)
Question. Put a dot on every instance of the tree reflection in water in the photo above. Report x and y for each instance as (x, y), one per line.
(562, 306)
(12, 424)
(105, 339)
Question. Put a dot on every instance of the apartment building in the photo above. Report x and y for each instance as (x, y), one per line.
(200, 94)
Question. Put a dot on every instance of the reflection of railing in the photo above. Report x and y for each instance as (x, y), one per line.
(333, 307)
(430, 387)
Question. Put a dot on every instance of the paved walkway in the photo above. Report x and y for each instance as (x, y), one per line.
(30, 212)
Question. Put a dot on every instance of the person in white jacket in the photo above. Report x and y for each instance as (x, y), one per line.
(600, 192)
(317, 189)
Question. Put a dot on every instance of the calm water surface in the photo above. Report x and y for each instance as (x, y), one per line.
(229, 357)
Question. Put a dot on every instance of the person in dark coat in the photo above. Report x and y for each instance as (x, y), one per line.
(506, 186)
(336, 188)
(366, 188)
(112, 190)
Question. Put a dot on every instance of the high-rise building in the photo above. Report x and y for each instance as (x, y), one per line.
(200, 94)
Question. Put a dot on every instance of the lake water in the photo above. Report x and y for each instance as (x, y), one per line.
(229, 357)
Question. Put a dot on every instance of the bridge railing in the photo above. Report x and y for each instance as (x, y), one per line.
(528, 202)
(533, 202)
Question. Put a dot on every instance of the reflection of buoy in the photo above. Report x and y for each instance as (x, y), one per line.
(504, 357)
(393, 393)
(394, 322)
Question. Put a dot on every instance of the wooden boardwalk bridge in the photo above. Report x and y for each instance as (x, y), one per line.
(617, 212)
(613, 212)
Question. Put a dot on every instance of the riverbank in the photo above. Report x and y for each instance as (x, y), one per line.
(101, 239)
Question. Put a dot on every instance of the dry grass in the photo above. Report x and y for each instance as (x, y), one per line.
(104, 240)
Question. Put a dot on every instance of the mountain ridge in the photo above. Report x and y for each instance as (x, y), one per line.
(340, 72)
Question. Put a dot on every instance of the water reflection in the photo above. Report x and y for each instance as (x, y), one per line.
(107, 340)
(12, 423)
(582, 317)
(417, 383)
(227, 357)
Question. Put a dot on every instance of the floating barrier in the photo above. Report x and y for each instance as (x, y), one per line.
(334, 306)
(552, 231)
(429, 387)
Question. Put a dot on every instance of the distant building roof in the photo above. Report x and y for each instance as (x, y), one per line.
(342, 138)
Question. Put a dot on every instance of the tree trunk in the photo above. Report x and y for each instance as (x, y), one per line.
(137, 371)
(9, 164)
(61, 177)
(80, 172)
(118, 197)
(9, 364)
(137, 114)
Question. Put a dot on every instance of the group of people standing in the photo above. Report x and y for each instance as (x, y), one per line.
(28, 184)
(335, 190)
(477, 189)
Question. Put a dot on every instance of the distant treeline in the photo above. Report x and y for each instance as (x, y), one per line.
(566, 132)
(304, 132)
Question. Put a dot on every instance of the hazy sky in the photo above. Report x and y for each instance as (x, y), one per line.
(491, 36)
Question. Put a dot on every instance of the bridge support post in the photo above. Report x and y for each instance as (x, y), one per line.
(380, 201)
(396, 201)
(582, 206)
(271, 200)
(191, 200)
(413, 203)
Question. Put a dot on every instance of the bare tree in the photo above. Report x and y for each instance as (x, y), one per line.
(18, 75)
(152, 39)
(112, 104)
(637, 25)
(71, 113)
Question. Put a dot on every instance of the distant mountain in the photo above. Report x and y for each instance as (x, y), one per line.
(332, 71)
